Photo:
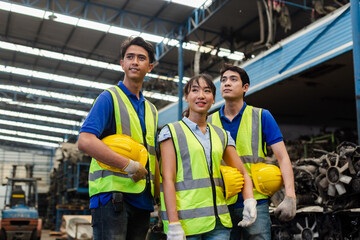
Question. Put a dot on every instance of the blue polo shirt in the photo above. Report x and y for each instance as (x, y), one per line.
(100, 121)
(271, 134)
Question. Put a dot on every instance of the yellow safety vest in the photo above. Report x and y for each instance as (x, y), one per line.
(248, 140)
(199, 191)
(128, 123)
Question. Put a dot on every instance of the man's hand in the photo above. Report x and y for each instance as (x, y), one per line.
(249, 213)
(286, 210)
(135, 170)
(176, 232)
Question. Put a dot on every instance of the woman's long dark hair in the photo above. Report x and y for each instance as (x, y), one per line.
(209, 81)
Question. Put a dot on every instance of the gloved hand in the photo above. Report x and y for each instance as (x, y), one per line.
(176, 232)
(286, 210)
(249, 213)
(135, 170)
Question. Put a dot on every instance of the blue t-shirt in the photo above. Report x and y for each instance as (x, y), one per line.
(271, 134)
(100, 121)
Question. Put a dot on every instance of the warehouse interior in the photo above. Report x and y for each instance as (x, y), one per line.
(57, 56)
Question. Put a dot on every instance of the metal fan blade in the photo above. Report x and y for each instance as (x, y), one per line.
(324, 183)
(322, 170)
(337, 160)
(345, 179)
(343, 168)
(299, 226)
(328, 161)
(297, 236)
(340, 188)
(313, 226)
(306, 222)
(331, 190)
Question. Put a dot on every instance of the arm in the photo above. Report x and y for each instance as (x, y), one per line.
(232, 159)
(93, 146)
(285, 167)
(286, 210)
(169, 178)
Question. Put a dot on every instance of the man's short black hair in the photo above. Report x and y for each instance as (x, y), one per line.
(243, 75)
(139, 41)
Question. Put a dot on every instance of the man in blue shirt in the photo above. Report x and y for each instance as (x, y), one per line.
(122, 213)
(234, 84)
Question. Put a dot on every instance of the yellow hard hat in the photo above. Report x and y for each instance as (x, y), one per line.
(127, 147)
(233, 181)
(267, 178)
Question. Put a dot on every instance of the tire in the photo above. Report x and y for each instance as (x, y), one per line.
(34, 235)
(3, 234)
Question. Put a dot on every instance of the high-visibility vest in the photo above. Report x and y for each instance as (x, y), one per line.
(128, 123)
(199, 188)
(249, 145)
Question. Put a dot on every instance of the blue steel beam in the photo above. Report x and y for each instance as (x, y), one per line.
(104, 14)
(181, 73)
(198, 17)
(312, 42)
(295, 4)
(355, 19)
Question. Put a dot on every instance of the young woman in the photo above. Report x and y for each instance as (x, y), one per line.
(192, 196)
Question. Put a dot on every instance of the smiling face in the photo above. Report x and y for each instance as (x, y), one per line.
(200, 97)
(232, 86)
(136, 63)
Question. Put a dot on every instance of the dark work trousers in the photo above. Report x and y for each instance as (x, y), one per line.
(119, 221)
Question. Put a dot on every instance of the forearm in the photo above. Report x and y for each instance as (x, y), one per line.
(285, 167)
(93, 146)
(288, 177)
(170, 200)
(233, 160)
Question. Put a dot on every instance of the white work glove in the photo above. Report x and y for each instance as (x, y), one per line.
(176, 232)
(135, 170)
(249, 213)
(286, 210)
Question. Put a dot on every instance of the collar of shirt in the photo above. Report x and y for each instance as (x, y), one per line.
(237, 115)
(130, 94)
(193, 126)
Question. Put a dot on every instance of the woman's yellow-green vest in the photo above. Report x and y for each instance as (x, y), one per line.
(128, 123)
(248, 140)
(199, 187)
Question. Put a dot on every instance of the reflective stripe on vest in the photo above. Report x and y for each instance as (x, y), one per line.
(128, 123)
(251, 151)
(197, 189)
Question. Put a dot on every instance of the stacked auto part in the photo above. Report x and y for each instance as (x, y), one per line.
(328, 196)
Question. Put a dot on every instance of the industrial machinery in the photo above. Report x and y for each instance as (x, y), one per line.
(328, 197)
(20, 218)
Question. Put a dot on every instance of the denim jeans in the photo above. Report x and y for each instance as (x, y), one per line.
(260, 230)
(218, 233)
(119, 222)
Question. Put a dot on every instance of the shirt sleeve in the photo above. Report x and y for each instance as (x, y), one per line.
(231, 141)
(100, 115)
(270, 129)
(164, 134)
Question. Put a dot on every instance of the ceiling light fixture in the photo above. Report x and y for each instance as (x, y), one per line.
(44, 107)
(31, 135)
(29, 141)
(39, 127)
(85, 23)
(75, 81)
(39, 118)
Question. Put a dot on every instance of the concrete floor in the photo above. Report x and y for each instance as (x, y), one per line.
(45, 235)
